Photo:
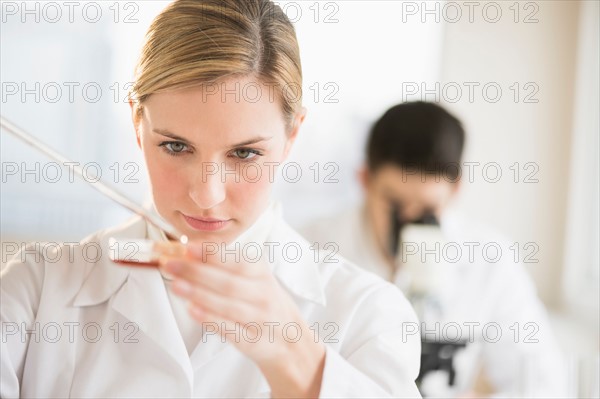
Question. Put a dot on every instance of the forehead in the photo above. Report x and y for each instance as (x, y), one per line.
(229, 109)
(406, 185)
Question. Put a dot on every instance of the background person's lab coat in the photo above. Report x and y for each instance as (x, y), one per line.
(102, 330)
(475, 296)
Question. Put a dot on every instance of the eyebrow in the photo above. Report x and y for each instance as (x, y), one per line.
(253, 140)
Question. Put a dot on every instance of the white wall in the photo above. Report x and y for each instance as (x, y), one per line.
(364, 55)
(581, 261)
(542, 53)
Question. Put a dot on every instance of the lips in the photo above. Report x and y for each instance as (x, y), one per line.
(206, 224)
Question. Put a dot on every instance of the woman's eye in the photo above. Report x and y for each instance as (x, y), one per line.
(245, 153)
(174, 147)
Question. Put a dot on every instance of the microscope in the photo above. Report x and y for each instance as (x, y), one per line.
(422, 274)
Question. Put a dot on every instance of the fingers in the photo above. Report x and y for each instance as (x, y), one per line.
(233, 283)
(205, 302)
(234, 291)
(234, 260)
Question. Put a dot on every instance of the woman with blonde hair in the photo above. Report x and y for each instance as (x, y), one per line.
(250, 309)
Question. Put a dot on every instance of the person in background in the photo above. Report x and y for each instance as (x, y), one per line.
(484, 331)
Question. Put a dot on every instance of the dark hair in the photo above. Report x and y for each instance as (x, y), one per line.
(417, 135)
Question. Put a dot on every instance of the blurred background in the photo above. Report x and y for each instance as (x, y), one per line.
(523, 77)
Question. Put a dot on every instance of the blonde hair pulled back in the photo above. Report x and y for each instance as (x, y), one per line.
(196, 42)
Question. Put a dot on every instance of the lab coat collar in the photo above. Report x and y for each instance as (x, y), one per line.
(301, 277)
(106, 277)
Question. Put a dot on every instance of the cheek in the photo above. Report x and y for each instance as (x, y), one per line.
(379, 215)
(253, 187)
(383, 220)
(166, 181)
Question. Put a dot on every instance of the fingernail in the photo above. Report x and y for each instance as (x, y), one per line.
(182, 287)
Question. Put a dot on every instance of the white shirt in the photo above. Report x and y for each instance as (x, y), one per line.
(479, 299)
(98, 329)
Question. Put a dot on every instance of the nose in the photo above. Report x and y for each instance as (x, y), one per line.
(208, 190)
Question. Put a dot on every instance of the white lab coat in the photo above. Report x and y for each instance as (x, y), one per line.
(102, 330)
(475, 297)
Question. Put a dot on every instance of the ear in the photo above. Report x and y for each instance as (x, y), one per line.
(363, 177)
(136, 123)
(456, 186)
(298, 120)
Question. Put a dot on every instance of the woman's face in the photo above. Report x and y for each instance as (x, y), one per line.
(212, 154)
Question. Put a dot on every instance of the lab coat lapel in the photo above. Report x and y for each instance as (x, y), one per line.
(102, 277)
(138, 294)
(143, 300)
(210, 346)
(299, 276)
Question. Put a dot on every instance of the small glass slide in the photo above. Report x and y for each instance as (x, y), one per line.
(141, 252)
